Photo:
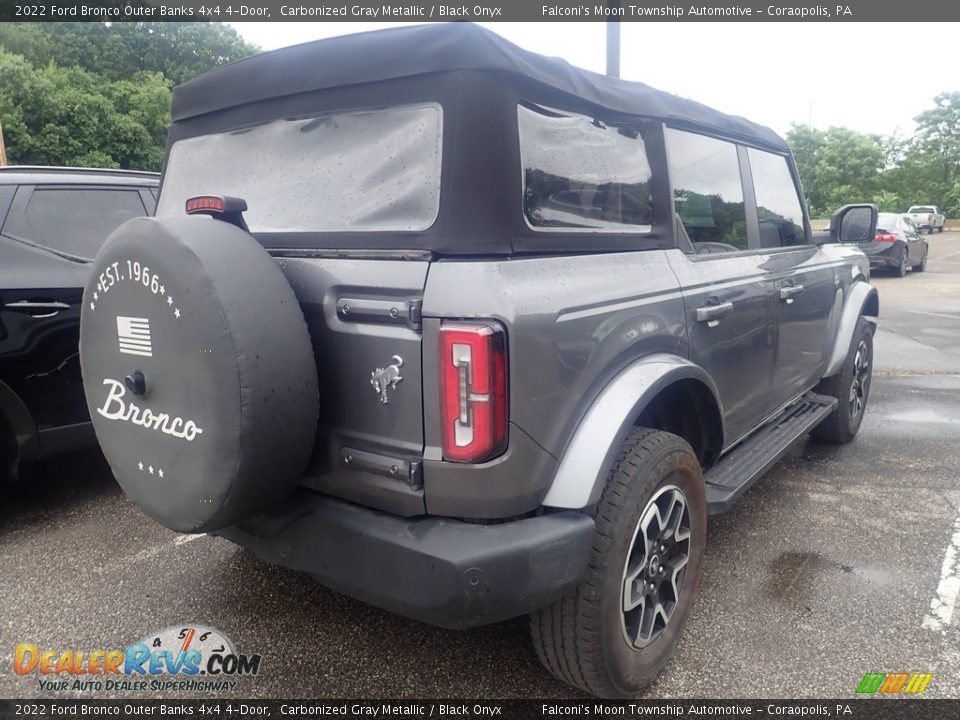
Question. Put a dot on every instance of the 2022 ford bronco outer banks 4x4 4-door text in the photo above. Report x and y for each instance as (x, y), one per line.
(469, 333)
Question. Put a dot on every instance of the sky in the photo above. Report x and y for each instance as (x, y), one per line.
(869, 77)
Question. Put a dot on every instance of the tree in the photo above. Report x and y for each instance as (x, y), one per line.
(837, 166)
(936, 149)
(98, 95)
(68, 116)
(119, 51)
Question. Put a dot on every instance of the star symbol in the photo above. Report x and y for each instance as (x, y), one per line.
(100, 287)
(169, 300)
(140, 465)
(176, 312)
(150, 469)
(96, 296)
(160, 472)
(163, 290)
(92, 306)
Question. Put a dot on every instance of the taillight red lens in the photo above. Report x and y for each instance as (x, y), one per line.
(473, 391)
(206, 204)
(886, 237)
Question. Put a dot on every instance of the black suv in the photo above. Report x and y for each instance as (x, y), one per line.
(52, 223)
(470, 333)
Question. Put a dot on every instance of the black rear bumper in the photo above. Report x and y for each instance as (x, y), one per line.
(445, 572)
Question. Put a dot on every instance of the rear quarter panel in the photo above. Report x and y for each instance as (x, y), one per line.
(572, 323)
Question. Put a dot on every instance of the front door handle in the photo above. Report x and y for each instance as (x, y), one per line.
(712, 313)
(789, 292)
(37, 309)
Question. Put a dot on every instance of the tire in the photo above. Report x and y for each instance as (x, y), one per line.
(923, 263)
(851, 387)
(582, 639)
(901, 269)
(940, 229)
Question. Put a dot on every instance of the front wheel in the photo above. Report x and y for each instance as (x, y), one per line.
(851, 387)
(614, 633)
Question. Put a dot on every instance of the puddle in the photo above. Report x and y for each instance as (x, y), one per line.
(797, 575)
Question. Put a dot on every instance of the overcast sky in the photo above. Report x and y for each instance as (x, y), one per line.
(870, 77)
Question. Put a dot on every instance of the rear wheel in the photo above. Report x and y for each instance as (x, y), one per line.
(851, 387)
(614, 634)
(901, 269)
(923, 263)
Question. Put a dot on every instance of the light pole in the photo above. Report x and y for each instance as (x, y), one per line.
(613, 45)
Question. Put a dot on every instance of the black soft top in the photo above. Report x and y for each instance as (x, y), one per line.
(419, 50)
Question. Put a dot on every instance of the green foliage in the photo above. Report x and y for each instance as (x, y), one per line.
(839, 166)
(88, 94)
(119, 51)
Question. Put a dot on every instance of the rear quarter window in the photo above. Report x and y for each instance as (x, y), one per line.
(74, 221)
(583, 175)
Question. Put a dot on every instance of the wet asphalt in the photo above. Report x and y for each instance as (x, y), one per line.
(824, 571)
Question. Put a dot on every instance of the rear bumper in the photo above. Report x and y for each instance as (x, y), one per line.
(445, 572)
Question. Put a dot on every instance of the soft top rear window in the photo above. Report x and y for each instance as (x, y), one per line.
(346, 171)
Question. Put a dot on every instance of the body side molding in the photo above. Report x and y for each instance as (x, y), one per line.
(593, 447)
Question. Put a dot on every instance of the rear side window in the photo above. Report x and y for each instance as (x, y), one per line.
(583, 175)
(364, 170)
(75, 221)
(6, 195)
(707, 190)
(778, 204)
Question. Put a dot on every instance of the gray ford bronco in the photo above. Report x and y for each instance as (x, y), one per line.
(469, 333)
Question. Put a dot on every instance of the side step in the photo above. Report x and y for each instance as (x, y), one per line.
(741, 467)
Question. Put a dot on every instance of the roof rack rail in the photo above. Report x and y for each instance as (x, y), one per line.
(84, 170)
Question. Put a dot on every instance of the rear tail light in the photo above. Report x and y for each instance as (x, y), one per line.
(930, 218)
(886, 237)
(473, 391)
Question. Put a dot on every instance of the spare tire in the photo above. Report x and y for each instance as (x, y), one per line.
(198, 371)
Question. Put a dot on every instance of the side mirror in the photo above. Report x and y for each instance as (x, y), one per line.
(854, 224)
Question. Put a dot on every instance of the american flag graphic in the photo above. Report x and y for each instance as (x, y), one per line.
(134, 336)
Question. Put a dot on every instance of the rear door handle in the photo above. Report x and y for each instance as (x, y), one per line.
(712, 313)
(37, 309)
(789, 292)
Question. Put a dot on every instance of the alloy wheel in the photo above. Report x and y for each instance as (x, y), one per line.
(861, 380)
(654, 571)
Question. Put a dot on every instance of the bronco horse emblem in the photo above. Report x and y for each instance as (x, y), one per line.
(383, 379)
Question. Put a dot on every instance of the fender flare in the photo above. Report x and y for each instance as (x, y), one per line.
(862, 300)
(593, 447)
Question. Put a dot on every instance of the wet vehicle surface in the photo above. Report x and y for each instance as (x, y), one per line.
(831, 566)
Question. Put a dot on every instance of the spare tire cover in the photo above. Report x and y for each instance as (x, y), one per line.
(221, 419)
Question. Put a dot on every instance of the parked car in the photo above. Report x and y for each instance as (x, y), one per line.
(897, 245)
(927, 217)
(433, 327)
(52, 222)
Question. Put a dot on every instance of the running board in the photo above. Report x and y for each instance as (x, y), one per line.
(741, 467)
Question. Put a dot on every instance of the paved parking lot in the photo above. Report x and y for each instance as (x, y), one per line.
(843, 560)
